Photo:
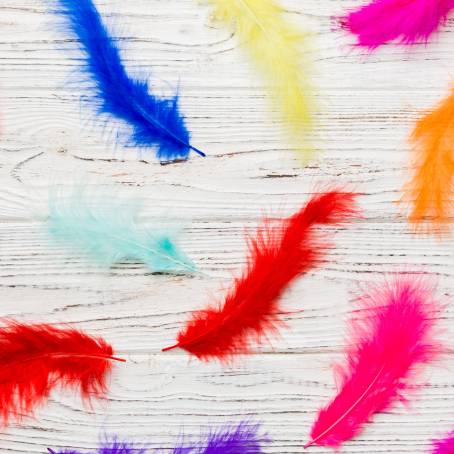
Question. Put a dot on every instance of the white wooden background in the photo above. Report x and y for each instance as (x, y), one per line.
(369, 104)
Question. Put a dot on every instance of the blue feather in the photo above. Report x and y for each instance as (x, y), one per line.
(154, 121)
(105, 228)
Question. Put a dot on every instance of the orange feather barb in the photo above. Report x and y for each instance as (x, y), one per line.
(430, 191)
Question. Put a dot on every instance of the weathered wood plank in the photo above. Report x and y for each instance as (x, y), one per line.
(368, 106)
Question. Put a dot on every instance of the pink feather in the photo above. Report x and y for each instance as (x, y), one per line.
(444, 446)
(391, 338)
(408, 21)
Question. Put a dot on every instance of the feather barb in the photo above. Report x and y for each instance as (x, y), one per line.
(430, 190)
(444, 445)
(36, 358)
(408, 21)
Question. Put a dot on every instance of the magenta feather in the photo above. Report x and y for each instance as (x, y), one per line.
(408, 21)
(390, 340)
(445, 445)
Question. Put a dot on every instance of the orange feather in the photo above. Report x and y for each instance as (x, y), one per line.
(431, 190)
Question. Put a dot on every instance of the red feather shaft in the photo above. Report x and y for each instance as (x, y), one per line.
(277, 254)
(35, 358)
(390, 341)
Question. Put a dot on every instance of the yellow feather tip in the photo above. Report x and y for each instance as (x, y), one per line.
(277, 48)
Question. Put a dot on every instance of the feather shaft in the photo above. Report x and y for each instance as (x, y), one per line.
(348, 411)
(65, 355)
(153, 121)
(278, 253)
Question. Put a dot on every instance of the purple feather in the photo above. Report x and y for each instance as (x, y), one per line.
(180, 450)
(51, 451)
(245, 438)
(112, 446)
(444, 446)
(117, 447)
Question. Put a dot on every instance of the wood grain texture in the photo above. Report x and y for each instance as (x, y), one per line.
(368, 106)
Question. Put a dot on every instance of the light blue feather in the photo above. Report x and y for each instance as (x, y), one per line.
(154, 122)
(105, 228)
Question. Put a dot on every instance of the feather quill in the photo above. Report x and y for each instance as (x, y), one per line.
(36, 358)
(276, 47)
(408, 21)
(277, 254)
(152, 121)
(430, 190)
(106, 229)
(445, 445)
(391, 341)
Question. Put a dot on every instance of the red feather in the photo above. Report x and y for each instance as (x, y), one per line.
(277, 255)
(36, 358)
(391, 341)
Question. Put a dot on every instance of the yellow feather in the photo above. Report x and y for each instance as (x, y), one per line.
(276, 47)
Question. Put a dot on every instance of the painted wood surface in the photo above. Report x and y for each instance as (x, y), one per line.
(47, 137)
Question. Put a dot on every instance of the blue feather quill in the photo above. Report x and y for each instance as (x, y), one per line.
(153, 121)
(105, 227)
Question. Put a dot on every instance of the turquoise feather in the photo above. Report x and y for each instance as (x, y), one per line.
(105, 228)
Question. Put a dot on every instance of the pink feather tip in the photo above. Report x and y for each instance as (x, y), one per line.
(391, 338)
(408, 21)
(445, 445)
